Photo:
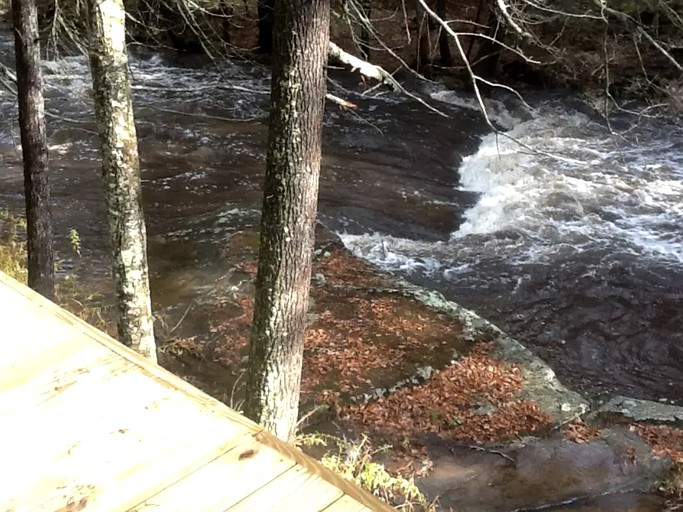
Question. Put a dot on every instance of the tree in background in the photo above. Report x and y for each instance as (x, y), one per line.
(121, 170)
(41, 268)
(265, 9)
(300, 46)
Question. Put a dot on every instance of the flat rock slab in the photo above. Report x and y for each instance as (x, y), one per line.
(540, 382)
(543, 473)
(642, 410)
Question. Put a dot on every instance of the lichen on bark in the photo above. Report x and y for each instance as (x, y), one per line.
(121, 173)
(300, 45)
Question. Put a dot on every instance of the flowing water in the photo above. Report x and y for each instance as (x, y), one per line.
(576, 248)
(577, 251)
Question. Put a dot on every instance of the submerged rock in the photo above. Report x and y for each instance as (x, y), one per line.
(547, 474)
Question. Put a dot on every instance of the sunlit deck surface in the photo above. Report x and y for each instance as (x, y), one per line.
(86, 424)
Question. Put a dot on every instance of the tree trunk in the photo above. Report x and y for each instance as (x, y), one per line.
(41, 268)
(483, 6)
(444, 48)
(364, 43)
(298, 89)
(227, 11)
(485, 61)
(266, 13)
(121, 171)
(424, 44)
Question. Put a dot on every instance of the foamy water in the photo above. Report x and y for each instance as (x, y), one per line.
(584, 187)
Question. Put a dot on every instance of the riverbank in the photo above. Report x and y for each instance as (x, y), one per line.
(452, 394)
(633, 51)
(471, 415)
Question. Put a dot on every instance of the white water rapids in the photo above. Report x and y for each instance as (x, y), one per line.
(574, 243)
(583, 188)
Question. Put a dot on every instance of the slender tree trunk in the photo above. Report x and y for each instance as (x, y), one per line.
(444, 48)
(483, 4)
(266, 13)
(41, 268)
(364, 43)
(301, 39)
(424, 44)
(121, 171)
(227, 12)
(485, 61)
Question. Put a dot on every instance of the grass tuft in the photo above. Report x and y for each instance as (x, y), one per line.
(12, 246)
(353, 460)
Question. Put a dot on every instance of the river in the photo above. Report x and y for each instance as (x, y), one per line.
(575, 248)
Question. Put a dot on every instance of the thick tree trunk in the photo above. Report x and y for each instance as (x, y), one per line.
(298, 88)
(41, 268)
(444, 48)
(121, 171)
(266, 13)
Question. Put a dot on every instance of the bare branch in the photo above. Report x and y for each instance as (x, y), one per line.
(364, 68)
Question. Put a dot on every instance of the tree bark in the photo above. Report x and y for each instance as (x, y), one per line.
(424, 45)
(121, 171)
(298, 89)
(266, 13)
(41, 268)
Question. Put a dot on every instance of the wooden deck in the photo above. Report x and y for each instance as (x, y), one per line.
(87, 424)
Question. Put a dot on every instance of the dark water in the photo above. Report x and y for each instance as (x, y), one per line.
(581, 262)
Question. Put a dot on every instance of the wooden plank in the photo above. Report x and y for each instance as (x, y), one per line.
(154, 371)
(244, 470)
(347, 504)
(114, 437)
(26, 332)
(26, 390)
(297, 489)
(108, 442)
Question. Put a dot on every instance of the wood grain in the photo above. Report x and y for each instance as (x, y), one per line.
(247, 468)
(297, 489)
(347, 504)
(87, 424)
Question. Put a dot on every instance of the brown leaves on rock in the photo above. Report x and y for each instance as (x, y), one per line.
(663, 440)
(362, 341)
(475, 399)
(579, 432)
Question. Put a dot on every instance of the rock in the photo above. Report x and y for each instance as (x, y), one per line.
(540, 383)
(542, 473)
(319, 279)
(485, 409)
(424, 373)
(642, 410)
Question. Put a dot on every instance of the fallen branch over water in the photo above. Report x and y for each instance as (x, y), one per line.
(365, 68)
